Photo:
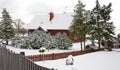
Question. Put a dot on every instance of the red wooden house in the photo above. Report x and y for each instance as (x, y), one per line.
(51, 23)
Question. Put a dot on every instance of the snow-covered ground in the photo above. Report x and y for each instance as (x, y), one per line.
(75, 47)
(101, 60)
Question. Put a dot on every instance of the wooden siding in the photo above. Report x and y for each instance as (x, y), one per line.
(54, 32)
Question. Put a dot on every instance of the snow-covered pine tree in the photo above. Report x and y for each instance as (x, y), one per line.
(78, 27)
(40, 39)
(50, 42)
(68, 42)
(25, 42)
(7, 28)
(62, 41)
(16, 41)
(108, 27)
(101, 27)
(37, 39)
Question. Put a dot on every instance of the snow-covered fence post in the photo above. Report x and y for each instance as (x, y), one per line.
(23, 53)
(42, 50)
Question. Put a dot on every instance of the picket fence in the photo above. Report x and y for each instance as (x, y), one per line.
(54, 56)
(12, 61)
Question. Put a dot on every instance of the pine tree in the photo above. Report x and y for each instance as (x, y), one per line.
(62, 41)
(67, 41)
(25, 42)
(16, 41)
(86, 24)
(78, 26)
(108, 27)
(7, 28)
(38, 39)
(102, 28)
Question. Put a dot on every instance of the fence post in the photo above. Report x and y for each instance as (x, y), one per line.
(52, 56)
(23, 53)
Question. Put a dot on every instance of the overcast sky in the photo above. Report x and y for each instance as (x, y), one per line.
(27, 9)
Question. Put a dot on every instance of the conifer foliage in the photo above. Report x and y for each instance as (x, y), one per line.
(78, 28)
(40, 39)
(102, 28)
(62, 41)
(6, 26)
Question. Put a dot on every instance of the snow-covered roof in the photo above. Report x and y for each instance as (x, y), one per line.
(59, 21)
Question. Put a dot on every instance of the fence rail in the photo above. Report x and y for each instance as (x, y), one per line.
(54, 56)
(12, 61)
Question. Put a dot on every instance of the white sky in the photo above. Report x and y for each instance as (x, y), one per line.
(26, 9)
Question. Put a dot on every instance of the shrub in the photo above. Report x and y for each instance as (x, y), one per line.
(88, 47)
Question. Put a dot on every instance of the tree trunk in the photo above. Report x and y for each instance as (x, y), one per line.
(6, 42)
(84, 41)
(99, 43)
(81, 43)
(80, 39)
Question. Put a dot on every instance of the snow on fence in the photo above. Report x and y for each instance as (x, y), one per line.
(54, 56)
(12, 61)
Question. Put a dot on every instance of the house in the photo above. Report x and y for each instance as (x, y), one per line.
(51, 23)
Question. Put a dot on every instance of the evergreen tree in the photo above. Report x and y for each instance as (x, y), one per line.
(102, 28)
(25, 42)
(50, 42)
(7, 28)
(86, 24)
(108, 27)
(15, 40)
(78, 28)
(38, 39)
(62, 41)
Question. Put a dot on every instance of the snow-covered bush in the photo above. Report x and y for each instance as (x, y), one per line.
(25, 42)
(62, 41)
(39, 39)
(50, 42)
(16, 41)
(42, 49)
(89, 47)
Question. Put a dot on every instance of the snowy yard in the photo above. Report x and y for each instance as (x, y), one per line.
(75, 47)
(101, 60)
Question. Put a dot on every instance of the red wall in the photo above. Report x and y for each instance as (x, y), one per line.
(54, 32)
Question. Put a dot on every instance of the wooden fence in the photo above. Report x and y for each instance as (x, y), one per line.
(54, 56)
(12, 61)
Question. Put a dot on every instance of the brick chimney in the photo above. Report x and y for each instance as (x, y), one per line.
(51, 16)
